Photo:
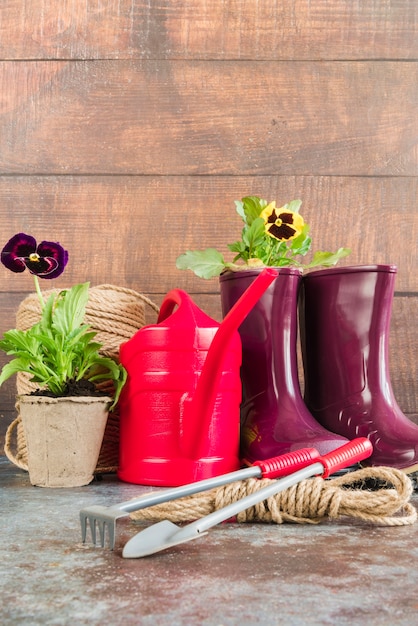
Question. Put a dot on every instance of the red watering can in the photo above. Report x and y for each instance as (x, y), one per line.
(180, 407)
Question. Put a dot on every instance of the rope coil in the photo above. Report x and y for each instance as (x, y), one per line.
(309, 502)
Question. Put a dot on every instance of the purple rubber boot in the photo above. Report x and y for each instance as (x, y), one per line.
(345, 318)
(274, 418)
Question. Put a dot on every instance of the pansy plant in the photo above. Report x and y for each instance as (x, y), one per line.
(58, 352)
(271, 236)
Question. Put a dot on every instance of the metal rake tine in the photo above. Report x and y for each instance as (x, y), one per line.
(84, 518)
(110, 525)
(83, 521)
(92, 523)
(111, 530)
(101, 525)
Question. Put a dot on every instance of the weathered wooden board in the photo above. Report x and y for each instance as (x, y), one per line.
(192, 117)
(256, 29)
(404, 352)
(128, 128)
(129, 230)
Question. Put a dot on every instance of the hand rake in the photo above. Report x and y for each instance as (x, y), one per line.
(103, 517)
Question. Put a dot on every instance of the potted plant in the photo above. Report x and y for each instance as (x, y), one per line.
(274, 418)
(65, 417)
(271, 236)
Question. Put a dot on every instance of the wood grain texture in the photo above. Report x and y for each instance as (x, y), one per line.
(191, 117)
(129, 127)
(214, 29)
(403, 352)
(129, 230)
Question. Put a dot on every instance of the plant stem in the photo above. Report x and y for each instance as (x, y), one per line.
(38, 291)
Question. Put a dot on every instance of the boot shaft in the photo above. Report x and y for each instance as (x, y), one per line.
(269, 333)
(345, 320)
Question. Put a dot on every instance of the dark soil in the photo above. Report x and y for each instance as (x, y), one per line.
(73, 388)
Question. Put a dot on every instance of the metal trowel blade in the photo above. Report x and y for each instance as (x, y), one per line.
(158, 537)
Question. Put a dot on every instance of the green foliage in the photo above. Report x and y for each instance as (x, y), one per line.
(60, 348)
(328, 259)
(204, 263)
(249, 208)
(257, 247)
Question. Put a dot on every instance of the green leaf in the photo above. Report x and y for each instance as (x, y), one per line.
(88, 348)
(239, 205)
(70, 308)
(47, 312)
(255, 234)
(80, 337)
(327, 259)
(301, 244)
(293, 206)
(237, 246)
(252, 207)
(204, 263)
(21, 364)
(48, 349)
(300, 239)
(284, 262)
(101, 367)
(100, 371)
(15, 341)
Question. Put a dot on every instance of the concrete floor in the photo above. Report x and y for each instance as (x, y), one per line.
(343, 572)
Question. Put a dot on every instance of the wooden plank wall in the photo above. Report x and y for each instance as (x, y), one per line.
(128, 128)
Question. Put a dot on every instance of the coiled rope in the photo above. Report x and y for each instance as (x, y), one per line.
(308, 502)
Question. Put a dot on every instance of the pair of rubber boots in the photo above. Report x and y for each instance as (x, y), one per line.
(344, 316)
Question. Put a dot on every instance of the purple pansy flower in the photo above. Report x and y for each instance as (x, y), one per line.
(46, 260)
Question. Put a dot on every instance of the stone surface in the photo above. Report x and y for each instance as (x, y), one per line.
(339, 572)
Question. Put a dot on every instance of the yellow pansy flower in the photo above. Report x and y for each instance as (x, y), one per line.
(280, 223)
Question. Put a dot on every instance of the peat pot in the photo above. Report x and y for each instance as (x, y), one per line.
(63, 437)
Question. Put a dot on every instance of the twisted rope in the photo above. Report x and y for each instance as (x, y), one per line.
(308, 502)
(115, 313)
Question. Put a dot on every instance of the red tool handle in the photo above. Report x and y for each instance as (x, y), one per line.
(348, 454)
(287, 463)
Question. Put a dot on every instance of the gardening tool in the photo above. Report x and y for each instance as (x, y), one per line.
(102, 517)
(165, 534)
(274, 418)
(345, 321)
(179, 411)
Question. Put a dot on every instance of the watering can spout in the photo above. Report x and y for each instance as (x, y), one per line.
(202, 404)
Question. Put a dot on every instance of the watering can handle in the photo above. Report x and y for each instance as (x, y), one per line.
(173, 298)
